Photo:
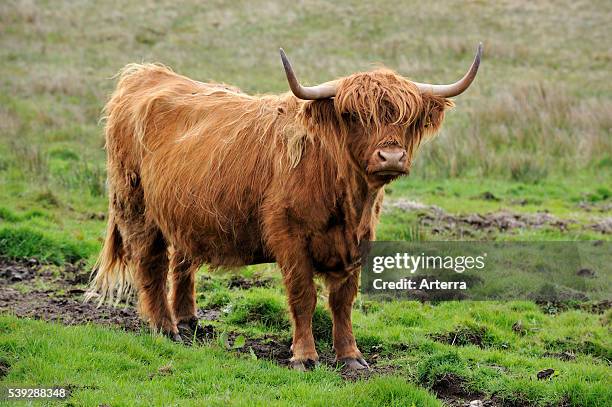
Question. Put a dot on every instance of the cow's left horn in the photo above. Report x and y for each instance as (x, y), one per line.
(322, 91)
(456, 88)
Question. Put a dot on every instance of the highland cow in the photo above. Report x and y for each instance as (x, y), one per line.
(203, 173)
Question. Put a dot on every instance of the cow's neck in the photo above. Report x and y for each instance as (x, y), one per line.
(361, 200)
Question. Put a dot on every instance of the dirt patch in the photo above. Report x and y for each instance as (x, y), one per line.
(61, 299)
(452, 390)
(278, 350)
(439, 221)
(588, 273)
(556, 306)
(268, 347)
(77, 273)
(4, 368)
(488, 196)
(209, 314)
(15, 271)
(603, 226)
(598, 307)
(603, 207)
(67, 309)
(242, 283)
(462, 336)
(565, 356)
(490, 222)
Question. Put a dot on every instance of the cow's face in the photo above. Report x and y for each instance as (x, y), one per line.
(386, 118)
(381, 153)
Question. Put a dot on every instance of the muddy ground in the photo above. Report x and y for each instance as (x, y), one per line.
(439, 222)
(39, 291)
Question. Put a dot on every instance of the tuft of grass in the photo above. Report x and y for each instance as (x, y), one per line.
(215, 299)
(24, 242)
(438, 365)
(260, 307)
(8, 215)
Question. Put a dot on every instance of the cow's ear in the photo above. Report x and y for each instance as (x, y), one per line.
(434, 108)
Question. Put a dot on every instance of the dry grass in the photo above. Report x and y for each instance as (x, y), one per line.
(541, 106)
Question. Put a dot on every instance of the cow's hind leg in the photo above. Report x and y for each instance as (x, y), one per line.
(342, 293)
(151, 257)
(183, 291)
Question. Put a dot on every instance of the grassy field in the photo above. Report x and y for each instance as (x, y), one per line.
(531, 137)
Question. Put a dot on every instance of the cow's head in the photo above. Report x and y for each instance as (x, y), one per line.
(379, 115)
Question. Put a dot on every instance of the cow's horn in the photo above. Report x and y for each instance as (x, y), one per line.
(322, 91)
(458, 87)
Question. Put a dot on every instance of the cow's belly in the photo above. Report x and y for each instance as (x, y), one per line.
(216, 247)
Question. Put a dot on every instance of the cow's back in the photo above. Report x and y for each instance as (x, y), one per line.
(201, 154)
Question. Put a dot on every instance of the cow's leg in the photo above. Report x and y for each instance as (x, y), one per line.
(298, 277)
(151, 273)
(302, 298)
(342, 293)
(183, 291)
(290, 251)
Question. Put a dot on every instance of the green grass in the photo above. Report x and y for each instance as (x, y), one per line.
(533, 131)
(110, 367)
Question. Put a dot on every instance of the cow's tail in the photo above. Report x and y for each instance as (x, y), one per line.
(112, 276)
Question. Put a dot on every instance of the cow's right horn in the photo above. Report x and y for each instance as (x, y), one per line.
(322, 91)
(457, 88)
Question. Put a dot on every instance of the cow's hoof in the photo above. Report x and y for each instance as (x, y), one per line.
(174, 337)
(190, 325)
(303, 365)
(354, 363)
(189, 330)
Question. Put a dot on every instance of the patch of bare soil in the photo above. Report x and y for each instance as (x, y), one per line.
(439, 221)
(603, 226)
(242, 283)
(602, 207)
(598, 307)
(33, 290)
(4, 368)
(14, 271)
(565, 355)
(452, 390)
(554, 307)
(462, 336)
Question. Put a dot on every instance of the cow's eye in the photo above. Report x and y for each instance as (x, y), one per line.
(350, 117)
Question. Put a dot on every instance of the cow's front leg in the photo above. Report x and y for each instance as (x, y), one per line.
(342, 293)
(302, 298)
(290, 250)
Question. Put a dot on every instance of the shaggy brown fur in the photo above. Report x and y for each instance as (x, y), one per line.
(202, 173)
